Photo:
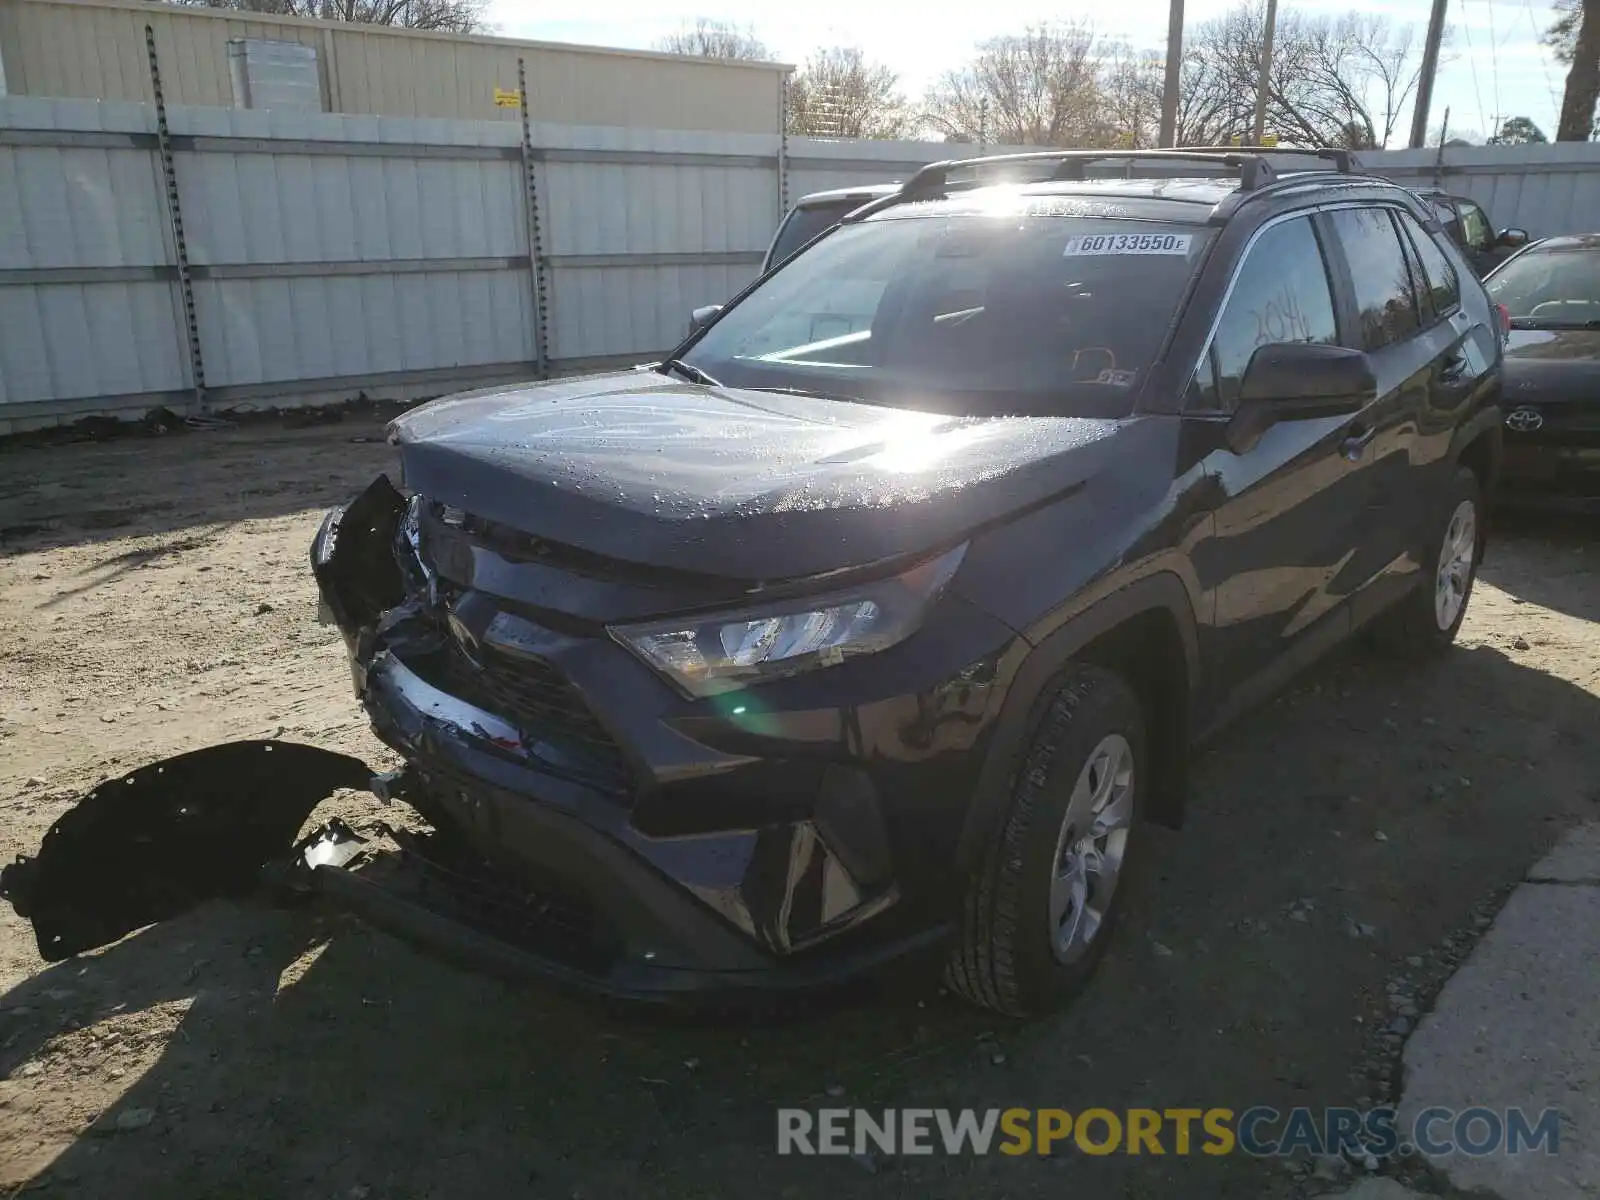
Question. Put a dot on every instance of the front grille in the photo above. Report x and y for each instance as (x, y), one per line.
(538, 700)
(544, 919)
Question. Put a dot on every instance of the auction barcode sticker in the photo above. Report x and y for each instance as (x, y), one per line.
(1127, 243)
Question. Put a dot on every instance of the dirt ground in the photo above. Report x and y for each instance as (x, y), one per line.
(156, 599)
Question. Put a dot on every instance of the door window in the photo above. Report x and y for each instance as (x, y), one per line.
(1438, 275)
(1281, 294)
(1386, 307)
(1474, 226)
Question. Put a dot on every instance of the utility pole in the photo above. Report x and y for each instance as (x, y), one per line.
(1438, 159)
(1258, 131)
(1430, 68)
(1169, 91)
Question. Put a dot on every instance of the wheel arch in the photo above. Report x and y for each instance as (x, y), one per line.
(1144, 631)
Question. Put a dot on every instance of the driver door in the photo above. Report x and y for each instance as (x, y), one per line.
(1276, 568)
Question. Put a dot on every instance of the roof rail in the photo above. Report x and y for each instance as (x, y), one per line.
(1253, 169)
(1343, 160)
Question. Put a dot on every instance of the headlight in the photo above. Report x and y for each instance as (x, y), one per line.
(322, 543)
(709, 654)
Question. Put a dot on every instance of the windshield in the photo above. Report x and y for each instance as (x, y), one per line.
(1550, 287)
(805, 223)
(975, 313)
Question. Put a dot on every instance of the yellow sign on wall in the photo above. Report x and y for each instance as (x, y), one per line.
(505, 99)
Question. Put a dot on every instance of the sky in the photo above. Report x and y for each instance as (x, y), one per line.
(1496, 64)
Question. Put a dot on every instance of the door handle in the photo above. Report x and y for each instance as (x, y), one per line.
(1361, 434)
(1453, 369)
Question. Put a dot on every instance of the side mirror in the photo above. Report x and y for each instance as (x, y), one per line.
(1512, 239)
(703, 316)
(1298, 381)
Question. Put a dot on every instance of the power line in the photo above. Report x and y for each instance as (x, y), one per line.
(1494, 61)
(1544, 64)
(1472, 62)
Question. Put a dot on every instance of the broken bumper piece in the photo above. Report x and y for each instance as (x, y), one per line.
(221, 822)
(154, 843)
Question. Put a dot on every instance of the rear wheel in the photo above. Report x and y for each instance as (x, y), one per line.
(1040, 906)
(1428, 619)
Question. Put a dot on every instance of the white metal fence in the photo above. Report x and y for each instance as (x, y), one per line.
(1546, 189)
(329, 255)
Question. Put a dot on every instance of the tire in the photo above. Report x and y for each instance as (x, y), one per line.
(1006, 954)
(1425, 623)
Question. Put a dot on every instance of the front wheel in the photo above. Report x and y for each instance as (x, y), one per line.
(1428, 619)
(1039, 908)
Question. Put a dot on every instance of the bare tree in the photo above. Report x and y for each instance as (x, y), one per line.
(1583, 77)
(1341, 81)
(444, 16)
(1379, 68)
(1130, 87)
(715, 39)
(840, 93)
(1208, 110)
(1037, 88)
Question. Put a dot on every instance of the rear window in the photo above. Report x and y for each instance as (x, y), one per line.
(803, 224)
(982, 313)
(1439, 277)
(1551, 287)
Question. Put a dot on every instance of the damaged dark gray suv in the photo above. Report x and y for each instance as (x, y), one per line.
(880, 617)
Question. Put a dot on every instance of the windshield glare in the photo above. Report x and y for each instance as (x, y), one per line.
(1554, 287)
(978, 313)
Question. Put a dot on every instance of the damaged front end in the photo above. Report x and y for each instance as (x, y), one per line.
(588, 824)
(564, 813)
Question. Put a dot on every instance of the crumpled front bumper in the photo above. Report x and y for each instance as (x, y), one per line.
(777, 907)
(646, 936)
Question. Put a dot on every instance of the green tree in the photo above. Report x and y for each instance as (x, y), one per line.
(1518, 131)
(1561, 35)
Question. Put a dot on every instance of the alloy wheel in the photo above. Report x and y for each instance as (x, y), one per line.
(1090, 847)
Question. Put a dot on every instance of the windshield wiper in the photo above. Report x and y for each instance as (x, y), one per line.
(812, 393)
(690, 372)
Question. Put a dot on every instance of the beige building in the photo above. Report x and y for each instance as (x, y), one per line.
(96, 49)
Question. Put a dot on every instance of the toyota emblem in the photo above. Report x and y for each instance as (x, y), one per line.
(1525, 420)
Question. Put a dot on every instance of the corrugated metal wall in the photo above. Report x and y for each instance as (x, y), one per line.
(328, 254)
(82, 313)
(1544, 189)
(96, 49)
(332, 254)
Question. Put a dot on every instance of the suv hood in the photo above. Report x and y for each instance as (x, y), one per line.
(741, 484)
